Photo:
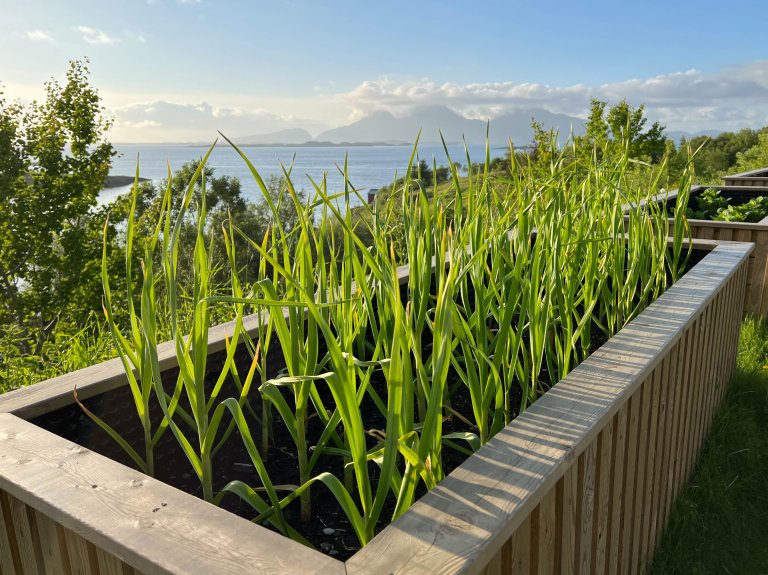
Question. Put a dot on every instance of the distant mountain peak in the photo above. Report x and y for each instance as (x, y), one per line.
(433, 120)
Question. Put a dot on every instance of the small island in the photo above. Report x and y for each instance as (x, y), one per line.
(120, 181)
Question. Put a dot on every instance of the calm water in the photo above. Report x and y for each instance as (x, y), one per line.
(369, 166)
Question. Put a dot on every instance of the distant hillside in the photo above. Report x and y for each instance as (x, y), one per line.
(281, 137)
(433, 120)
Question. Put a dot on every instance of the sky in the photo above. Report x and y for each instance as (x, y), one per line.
(179, 70)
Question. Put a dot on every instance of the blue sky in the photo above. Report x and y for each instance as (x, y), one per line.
(172, 70)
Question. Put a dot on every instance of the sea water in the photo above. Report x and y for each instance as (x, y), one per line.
(369, 167)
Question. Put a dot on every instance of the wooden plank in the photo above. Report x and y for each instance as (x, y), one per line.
(741, 234)
(651, 471)
(560, 513)
(703, 373)
(10, 562)
(519, 546)
(108, 563)
(641, 475)
(683, 413)
(698, 225)
(55, 556)
(761, 269)
(121, 511)
(495, 565)
(657, 497)
(675, 418)
(544, 535)
(82, 554)
(617, 497)
(724, 234)
(630, 478)
(570, 524)
(587, 494)
(713, 355)
(667, 433)
(28, 545)
(603, 480)
(757, 277)
(713, 368)
(690, 402)
(697, 379)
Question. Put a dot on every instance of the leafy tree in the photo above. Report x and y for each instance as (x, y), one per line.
(754, 157)
(717, 155)
(622, 125)
(54, 160)
(650, 143)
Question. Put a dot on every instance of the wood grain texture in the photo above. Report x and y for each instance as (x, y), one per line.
(641, 477)
(684, 409)
(690, 416)
(149, 525)
(10, 561)
(544, 535)
(618, 479)
(53, 544)
(587, 494)
(518, 559)
(666, 432)
(82, 554)
(600, 527)
(650, 469)
(757, 282)
(570, 521)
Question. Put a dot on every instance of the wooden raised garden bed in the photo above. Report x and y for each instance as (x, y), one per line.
(756, 300)
(752, 178)
(582, 481)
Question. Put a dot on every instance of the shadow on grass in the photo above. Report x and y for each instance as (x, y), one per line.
(720, 522)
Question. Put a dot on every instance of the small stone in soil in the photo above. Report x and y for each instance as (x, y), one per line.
(328, 531)
(326, 547)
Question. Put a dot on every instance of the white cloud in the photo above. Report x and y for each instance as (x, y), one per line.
(38, 36)
(96, 36)
(139, 125)
(168, 121)
(688, 100)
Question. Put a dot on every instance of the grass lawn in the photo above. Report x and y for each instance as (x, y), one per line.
(720, 522)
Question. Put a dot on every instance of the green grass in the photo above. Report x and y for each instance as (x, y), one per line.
(720, 522)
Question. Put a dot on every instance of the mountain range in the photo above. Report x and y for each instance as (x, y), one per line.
(430, 121)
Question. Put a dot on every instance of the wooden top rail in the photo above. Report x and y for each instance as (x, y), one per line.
(696, 188)
(760, 172)
(462, 523)
(144, 522)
